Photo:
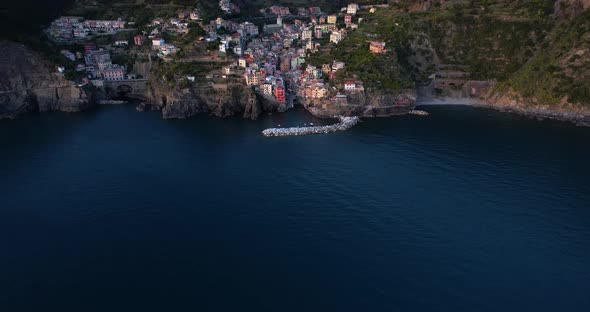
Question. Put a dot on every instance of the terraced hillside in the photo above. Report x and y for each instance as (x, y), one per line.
(537, 49)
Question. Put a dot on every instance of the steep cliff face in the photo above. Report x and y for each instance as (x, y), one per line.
(558, 75)
(538, 52)
(28, 84)
(236, 100)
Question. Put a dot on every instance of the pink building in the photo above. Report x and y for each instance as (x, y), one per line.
(139, 40)
(114, 73)
(347, 19)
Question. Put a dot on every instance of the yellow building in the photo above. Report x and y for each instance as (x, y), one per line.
(332, 19)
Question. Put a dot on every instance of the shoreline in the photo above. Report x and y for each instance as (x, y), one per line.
(577, 117)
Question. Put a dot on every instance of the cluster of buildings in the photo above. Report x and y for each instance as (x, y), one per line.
(309, 11)
(99, 64)
(277, 10)
(239, 32)
(68, 29)
(159, 44)
(193, 15)
(178, 26)
(96, 62)
(284, 11)
(171, 25)
(352, 8)
(273, 61)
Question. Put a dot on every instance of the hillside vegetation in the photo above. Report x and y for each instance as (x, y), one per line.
(560, 69)
(525, 45)
(537, 49)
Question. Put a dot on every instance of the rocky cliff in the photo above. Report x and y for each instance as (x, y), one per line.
(232, 100)
(538, 52)
(557, 76)
(367, 103)
(29, 84)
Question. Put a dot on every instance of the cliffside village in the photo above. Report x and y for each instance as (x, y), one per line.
(274, 60)
(271, 59)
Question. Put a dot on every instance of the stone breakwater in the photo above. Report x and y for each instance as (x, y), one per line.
(418, 112)
(344, 123)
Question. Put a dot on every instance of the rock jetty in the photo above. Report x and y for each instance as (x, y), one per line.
(418, 112)
(344, 123)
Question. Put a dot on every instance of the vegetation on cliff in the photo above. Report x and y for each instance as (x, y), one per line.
(528, 46)
(537, 50)
(561, 68)
(379, 71)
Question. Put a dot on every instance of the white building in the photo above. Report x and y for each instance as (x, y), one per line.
(157, 42)
(336, 66)
(267, 89)
(336, 37)
(350, 85)
(223, 47)
(306, 34)
(352, 8)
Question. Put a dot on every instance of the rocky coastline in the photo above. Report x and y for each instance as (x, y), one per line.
(28, 84)
(564, 111)
(181, 103)
(367, 103)
(567, 113)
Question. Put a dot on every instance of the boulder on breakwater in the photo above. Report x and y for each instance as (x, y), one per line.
(344, 123)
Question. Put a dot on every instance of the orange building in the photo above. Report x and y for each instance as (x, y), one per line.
(377, 47)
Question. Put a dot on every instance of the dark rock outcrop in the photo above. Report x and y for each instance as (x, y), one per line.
(234, 100)
(368, 103)
(29, 84)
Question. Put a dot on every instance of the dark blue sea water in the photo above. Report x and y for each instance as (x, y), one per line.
(465, 210)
